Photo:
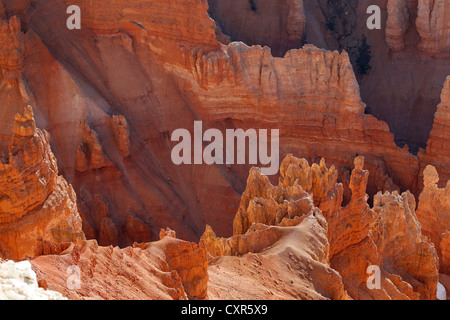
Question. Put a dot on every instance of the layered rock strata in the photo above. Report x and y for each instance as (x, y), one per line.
(433, 213)
(12, 47)
(397, 23)
(357, 237)
(165, 269)
(38, 209)
(432, 23)
(437, 152)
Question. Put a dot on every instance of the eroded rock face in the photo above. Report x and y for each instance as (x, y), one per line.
(264, 203)
(353, 237)
(445, 252)
(36, 203)
(433, 213)
(166, 269)
(397, 23)
(432, 25)
(437, 152)
(12, 47)
(277, 24)
(189, 261)
(189, 73)
(401, 229)
(112, 141)
(90, 155)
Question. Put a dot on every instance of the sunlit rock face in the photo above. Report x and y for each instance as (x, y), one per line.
(110, 95)
(38, 209)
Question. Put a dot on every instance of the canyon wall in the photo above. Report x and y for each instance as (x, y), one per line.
(108, 94)
(252, 22)
(127, 164)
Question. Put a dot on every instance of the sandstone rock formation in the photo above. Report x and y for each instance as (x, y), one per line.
(356, 235)
(437, 152)
(283, 247)
(361, 237)
(253, 22)
(12, 48)
(111, 93)
(397, 23)
(445, 253)
(36, 203)
(121, 134)
(90, 155)
(189, 261)
(166, 269)
(400, 227)
(173, 71)
(18, 282)
(432, 25)
(433, 213)
(286, 232)
(296, 20)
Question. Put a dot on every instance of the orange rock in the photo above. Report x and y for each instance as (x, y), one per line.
(166, 269)
(397, 23)
(137, 230)
(432, 25)
(264, 203)
(433, 213)
(438, 147)
(189, 261)
(36, 203)
(121, 134)
(401, 229)
(445, 252)
(12, 47)
(90, 154)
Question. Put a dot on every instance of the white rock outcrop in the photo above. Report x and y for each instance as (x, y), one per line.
(18, 282)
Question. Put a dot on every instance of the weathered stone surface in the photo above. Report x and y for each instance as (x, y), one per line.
(264, 203)
(254, 23)
(296, 20)
(121, 134)
(433, 213)
(438, 147)
(357, 236)
(36, 203)
(432, 25)
(166, 269)
(445, 253)
(401, 229)
(12, 48)
(397, 23)
(90, 155)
